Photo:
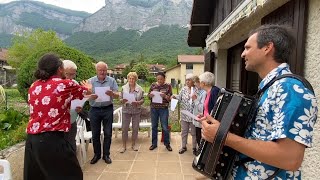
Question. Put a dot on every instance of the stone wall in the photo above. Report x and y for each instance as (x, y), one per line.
(311, 164)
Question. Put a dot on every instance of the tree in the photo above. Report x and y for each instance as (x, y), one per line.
(25, 45)
(128, 69)
(141, 69)
(28, 67)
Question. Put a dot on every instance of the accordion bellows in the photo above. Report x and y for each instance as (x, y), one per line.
(234, 110)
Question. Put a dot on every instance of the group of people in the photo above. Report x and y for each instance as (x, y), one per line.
(197, 97)
(276, 139)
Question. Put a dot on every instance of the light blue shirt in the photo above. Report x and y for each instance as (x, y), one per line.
(73, 113)
(199, 105)
(108, 81)
(287, 109)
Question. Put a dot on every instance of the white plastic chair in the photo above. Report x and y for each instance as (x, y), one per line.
(87, 135)
(80, 143)
(116, 125)
(6, 170)
(145, 123)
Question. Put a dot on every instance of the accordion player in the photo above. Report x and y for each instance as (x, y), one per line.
(234, 110)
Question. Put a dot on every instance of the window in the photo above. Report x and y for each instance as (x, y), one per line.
(189, 66)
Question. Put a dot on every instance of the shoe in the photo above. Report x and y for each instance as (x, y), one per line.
(195, 152)
(168, 147)
(122, 150)
(107, 159)
(152, 147)
(95, 159)
(182, 150)
(134, 147)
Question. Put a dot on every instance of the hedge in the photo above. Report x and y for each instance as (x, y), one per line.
(26, 72)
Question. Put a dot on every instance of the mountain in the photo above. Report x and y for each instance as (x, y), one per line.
(157, 45)
(138, 15)
(123, 30)
(21, 16)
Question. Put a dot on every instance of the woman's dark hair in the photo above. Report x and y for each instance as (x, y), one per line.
(48, 66)
(161, 74)
(280, 36)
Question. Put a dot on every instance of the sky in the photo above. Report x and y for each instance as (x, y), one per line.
(90, 6)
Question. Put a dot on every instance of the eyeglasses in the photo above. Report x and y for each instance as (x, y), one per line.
(71, 74)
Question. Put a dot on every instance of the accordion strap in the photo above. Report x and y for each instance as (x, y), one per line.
(294, 76)
(223, 130)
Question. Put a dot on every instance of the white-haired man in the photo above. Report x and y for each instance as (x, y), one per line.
(70, 72)
(102, 112)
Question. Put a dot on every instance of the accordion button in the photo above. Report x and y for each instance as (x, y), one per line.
(222, 164)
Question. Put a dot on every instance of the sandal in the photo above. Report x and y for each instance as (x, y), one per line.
(182, 150)
(122, 150)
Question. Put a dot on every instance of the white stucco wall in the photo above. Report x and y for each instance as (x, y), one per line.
(311, 164)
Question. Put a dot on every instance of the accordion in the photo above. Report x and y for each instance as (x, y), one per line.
(234, 111)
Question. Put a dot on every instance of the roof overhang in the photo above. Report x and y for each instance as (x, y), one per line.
(202, 12)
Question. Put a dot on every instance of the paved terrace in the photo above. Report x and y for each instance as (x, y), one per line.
(144, 164)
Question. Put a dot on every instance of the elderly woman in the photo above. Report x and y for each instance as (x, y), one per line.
(187, 103)
(207, 84)
(199, 98)
(47, 153)
(131, 99)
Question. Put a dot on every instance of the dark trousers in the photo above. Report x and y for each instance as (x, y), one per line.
(198, 135)
(48, 156)
(71, 136)
(97, 116)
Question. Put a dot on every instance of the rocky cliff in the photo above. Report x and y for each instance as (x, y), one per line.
(21, 16)
(137, 14)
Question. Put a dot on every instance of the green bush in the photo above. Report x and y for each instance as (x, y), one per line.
(11, 119)
(14, 136)
(25, 74)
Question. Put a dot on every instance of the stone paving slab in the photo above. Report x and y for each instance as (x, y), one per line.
(144, 164)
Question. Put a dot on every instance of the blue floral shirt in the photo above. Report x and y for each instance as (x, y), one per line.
(287, 109)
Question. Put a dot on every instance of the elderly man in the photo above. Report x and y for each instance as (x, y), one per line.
(287, 112)
(70, 72)
(101, 111)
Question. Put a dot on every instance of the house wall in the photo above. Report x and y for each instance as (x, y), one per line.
(173, 74)
(183, 73)
(238, 33)
(197, 70)
(311, 164)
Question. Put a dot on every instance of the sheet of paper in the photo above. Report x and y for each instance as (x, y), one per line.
(189, 114)
(173, 104)
(78, 103)
(156, 98)
(128, 96)
(101, 92)
(191, 93)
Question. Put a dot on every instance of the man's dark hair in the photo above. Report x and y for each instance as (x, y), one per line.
(161, 74)
(280, 36)
(48, 66)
